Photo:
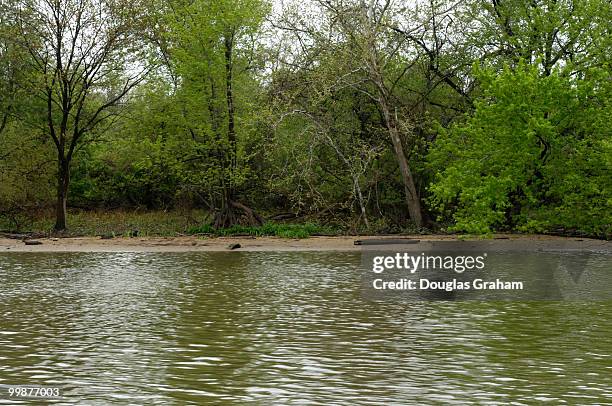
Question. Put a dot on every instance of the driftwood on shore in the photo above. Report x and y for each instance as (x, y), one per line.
(32, 242)
(387, 241)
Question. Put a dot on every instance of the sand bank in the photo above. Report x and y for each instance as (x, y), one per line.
(187, 244)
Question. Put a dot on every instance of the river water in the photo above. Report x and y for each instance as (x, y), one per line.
(281, 328)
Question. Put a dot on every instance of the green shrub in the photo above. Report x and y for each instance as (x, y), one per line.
(534, 156)
(268, 229)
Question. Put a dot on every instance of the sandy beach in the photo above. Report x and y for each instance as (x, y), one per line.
(345, 243)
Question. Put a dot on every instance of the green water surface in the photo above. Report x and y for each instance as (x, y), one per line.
(282, 328)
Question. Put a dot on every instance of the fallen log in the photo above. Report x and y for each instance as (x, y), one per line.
(387, 241)
(32, 242)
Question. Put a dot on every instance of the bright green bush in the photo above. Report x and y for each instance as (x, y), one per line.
(534, 156)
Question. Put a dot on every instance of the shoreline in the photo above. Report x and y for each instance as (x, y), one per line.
(499, 242)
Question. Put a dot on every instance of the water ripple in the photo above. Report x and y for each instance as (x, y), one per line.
(285, 328)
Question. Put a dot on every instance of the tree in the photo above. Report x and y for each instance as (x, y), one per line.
(377, 54)
(314, 149)
(534, 156)
(86, 58)
(547, 68)
(548, 33)
(9, 70)
(212, 48)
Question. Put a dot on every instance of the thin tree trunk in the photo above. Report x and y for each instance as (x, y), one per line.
(227, 217)
(4, 122)
(412, 198)
(231, 126)
(361, 202)
(63, 180)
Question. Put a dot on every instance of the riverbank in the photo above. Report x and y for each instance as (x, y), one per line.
(499, 242)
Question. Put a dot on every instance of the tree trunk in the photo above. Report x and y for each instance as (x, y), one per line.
(227, 216)
(361, 202)
(412, 198)
(231, 126)
(4, 122)
(63, 180)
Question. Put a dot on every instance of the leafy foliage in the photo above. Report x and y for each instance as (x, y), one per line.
(498, 111)
(534, 156)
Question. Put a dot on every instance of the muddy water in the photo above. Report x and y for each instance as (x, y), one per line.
(281, 328)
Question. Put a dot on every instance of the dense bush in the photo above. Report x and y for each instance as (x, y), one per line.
(27, 182)
(534, 156)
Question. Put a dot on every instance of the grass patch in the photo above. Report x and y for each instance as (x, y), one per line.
(268, 229)
(122, 223)
(132, 223)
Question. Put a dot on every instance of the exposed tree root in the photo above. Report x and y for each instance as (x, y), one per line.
(237, 213)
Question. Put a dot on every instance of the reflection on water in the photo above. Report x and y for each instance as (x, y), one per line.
(281, 328)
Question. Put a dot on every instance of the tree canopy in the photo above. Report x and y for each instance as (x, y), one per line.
(379, 116)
